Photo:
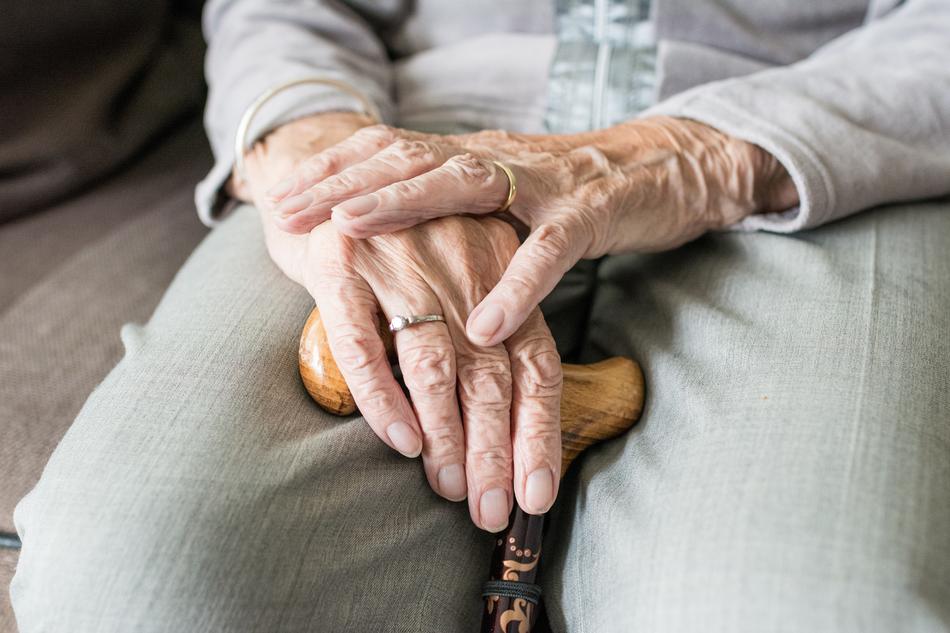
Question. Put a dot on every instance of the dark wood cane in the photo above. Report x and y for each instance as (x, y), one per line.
(599, 402)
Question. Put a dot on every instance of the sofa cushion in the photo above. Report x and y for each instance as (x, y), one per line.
(87, 84)
(72, 275)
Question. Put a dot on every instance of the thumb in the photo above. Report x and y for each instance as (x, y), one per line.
(537, 266)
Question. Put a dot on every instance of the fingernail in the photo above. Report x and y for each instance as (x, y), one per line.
(452, 482)
(486, 323)
(358, 206)
(539, 491)
(294, 204)
(404, 439)
(494, 509)
(281, 189)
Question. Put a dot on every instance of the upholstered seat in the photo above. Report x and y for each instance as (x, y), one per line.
(72, 275)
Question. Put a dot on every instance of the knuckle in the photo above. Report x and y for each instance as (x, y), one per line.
(540, 367)
(379, 134)
(551, 242)
(317, 166)
(492, 137)
(347, 180)
(413, 151)
(404, 190)
(375, 400)
(589, 157)
(354, 350)
(486, 383)
(444, 440)
(468, 169)
(539, 441)
(431, 370)
(493, 459)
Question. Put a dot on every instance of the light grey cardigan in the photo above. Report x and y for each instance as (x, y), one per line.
(852, 96)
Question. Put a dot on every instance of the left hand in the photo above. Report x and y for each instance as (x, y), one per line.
(646, 185)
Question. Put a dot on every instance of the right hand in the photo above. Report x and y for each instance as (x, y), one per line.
(485, 419)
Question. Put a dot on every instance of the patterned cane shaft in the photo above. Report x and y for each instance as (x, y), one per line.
(511, 595)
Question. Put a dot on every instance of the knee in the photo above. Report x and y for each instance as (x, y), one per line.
(752, 527)
(116, 559)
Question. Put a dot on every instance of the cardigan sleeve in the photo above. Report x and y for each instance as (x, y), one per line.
(863, 121)
(255, 45)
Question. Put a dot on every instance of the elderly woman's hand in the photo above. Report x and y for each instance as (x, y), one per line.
(483, 418)
(486, 419)
(647, 185)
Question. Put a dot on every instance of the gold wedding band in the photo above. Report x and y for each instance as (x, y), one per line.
(512, 187)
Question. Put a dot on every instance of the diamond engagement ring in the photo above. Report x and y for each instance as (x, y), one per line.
(400, 322)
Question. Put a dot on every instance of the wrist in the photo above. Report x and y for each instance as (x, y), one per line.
(748, 178)
(276, 154)
(775, 189)
(743, 177)
(730, 179)
(308, 135)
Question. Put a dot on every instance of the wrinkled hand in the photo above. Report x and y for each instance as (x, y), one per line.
(486, 419)
(646, 185)
(482, 417)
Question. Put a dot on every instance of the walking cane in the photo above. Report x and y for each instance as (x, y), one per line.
(599, 402)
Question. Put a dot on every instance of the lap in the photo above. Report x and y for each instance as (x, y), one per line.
(200, 489)
(787, 469)
(792, 466)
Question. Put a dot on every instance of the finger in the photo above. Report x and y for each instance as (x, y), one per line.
(485, 398)
(535, 414)
(537, 266)
(463, 181)
(427, 360)
(348, 308)
(400, 161)
(354, 149)
(357, 147)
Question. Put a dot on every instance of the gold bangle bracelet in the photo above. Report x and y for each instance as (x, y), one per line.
(240, 138)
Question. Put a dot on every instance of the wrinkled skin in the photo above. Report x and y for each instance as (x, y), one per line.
(462, 393)
(485, 418)
(646, 185)
(485, 386)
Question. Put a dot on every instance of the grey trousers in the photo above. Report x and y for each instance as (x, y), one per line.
(791, 471)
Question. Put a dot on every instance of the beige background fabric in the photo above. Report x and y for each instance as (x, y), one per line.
(790, 472)
(72, 276)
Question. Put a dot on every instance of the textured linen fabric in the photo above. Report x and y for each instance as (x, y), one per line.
(851, 95)
(792, 468)
(790, 472)
(201, 490)
(8, 558)
(71, 276)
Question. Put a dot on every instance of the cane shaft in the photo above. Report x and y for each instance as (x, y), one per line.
(598, 402)
(512, 597)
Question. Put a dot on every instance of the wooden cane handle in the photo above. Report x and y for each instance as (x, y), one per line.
(599, 401)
